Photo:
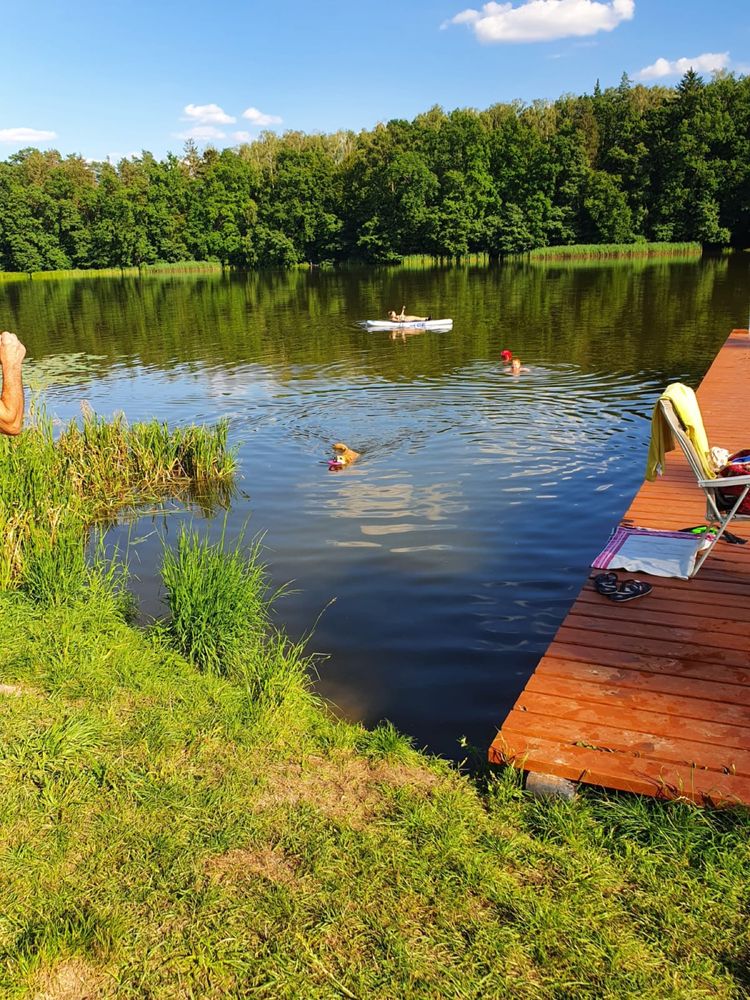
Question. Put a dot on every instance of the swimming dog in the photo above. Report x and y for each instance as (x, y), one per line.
(345, 454)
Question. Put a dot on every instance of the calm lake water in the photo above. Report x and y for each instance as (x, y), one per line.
(435, 571)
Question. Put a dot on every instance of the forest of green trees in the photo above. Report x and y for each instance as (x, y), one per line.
(624, 164)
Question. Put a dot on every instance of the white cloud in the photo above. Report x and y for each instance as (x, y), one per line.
(206, 121)
(26, 135)
(116, 157)
(709, 62)
(544, 20)
(256, 117)
(207, 114)
(202, 133)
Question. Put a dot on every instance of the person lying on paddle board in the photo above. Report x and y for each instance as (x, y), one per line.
(401, 317)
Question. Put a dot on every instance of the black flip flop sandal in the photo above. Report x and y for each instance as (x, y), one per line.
(629, 590)
(606, 583)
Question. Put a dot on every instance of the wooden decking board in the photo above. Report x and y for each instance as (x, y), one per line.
(681, 632)
(639, 642)
(735, 618)
(645, 722)
(624, 772)
(653, 696)
(606, 695)
(687, 752)
(650, 664)
(667, 615)
(577, 657)
(650, 680)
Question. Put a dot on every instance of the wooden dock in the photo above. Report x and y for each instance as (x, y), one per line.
(653, 696)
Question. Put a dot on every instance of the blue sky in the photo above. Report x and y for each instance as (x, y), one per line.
(104, 79)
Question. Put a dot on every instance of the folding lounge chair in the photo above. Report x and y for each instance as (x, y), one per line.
(710, 487)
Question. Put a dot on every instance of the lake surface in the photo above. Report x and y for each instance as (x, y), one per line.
(435, 571)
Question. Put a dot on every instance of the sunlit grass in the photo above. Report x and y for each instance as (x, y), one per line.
(186, 267)
(615, 250)
(217, 599)
(181, 817)
(181, 267)
(53, 490)
(166, 832)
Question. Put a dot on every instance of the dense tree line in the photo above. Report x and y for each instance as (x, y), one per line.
(623, 164)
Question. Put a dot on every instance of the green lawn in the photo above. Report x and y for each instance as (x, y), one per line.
(181, 817)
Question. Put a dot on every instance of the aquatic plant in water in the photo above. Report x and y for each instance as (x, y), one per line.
(52, 491)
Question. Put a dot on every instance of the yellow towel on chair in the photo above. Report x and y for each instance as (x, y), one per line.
(686, 407)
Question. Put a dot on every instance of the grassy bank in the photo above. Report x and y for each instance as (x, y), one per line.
(181, 817)
(413, 262)
(52, 491)
(183, 267)
(615, 251)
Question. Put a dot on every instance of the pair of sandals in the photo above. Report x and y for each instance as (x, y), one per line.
(609, 585)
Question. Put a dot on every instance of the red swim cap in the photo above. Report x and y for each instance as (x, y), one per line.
(506, 355)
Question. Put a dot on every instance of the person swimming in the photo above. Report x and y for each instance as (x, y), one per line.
(516, 367)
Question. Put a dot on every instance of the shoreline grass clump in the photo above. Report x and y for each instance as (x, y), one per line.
(217, 597)
(414, 261)
(613, 251)
(53, 491)
(162, 268)
(219, 619)
(113, 463)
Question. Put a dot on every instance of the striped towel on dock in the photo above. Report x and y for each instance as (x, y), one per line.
(646, 550)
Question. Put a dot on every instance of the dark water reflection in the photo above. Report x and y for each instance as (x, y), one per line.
(456, 544)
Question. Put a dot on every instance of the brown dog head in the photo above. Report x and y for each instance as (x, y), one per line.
(345, 452)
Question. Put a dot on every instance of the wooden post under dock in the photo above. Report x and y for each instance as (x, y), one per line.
(653, 695)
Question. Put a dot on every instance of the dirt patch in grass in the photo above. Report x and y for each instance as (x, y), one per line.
(345, 787)
(15, 690)
(72, 980)
(268, 863)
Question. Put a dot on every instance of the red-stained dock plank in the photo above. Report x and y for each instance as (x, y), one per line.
(653, 696)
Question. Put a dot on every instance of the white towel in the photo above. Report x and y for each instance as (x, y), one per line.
(644, 550)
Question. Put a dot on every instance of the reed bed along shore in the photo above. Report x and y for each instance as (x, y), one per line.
(615, 251)
(182, 817)
(414, 262)
(52, 490)
(165, 269)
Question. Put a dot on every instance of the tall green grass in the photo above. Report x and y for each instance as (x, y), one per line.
(53, 490)
(165, 833)
(217, 599)
(603, 251)
(219, 606)
(182, 267)
(186, 267)
(54, 562)
(181, 818)
(112, 463)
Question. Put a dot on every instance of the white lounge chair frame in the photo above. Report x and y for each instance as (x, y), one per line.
(709, 486)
